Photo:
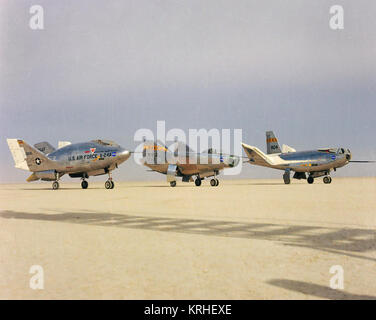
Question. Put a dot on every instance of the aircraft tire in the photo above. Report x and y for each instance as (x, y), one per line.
(198, 182)
(286, 180)
(112, 184)
(173, 183)
(310, 180)
(217, 183)
(213, 182)
(108, 184)
(55, 185)
(84, 184)
(327, 180)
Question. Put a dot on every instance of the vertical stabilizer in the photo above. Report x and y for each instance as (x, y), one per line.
(62, 144)
(18, 154)
(272, 145)
(27, 158)
(44, 147)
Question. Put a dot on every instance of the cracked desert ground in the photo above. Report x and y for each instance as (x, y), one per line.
(246, 239)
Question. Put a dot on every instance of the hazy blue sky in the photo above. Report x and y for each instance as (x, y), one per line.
(103, 69)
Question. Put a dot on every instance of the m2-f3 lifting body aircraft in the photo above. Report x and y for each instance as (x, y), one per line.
(184, 162)
(306, 164)
(79, 160)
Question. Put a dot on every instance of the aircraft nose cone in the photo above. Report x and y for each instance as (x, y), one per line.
(233, 161)
(124, 154)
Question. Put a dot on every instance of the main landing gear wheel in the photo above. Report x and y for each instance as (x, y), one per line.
(327, 180)
(286, 179)
(173, 183)
(55, 185)
(198, 182)
(109, 184)
(217, 183)
(310, 180)
(84, 184)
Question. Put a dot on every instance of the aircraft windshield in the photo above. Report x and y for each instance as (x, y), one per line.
(330, 150)
(210, 151)
(181, 149)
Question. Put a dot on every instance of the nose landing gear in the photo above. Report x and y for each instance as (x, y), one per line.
(327, 180)
(214, 182)
(109, 184)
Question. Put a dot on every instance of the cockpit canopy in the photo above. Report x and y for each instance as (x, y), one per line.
(210, 151)
(328, 150)
(343, 151)
(181, 149)
(104, 142)
(335, 151)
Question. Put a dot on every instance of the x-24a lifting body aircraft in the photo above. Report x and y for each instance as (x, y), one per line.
(79, 160)
(306, 164)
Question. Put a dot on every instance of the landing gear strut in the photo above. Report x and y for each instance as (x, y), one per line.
(109, 184)
(55, 184)
(327, 180)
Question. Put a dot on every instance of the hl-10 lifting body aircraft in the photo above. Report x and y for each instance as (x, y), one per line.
(184, 162)
(314, 163)
(79, 160)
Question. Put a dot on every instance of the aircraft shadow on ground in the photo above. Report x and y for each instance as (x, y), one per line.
(339, 240)
(317, 290)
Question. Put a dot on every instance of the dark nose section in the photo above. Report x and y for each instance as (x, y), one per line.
(233, 161)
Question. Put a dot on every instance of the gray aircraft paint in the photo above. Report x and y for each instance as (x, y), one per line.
(315, 163)
(82, 160)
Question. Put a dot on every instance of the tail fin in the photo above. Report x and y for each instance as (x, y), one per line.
(272, 145)
(287, 149)
(256, 156)
(62, 144)
(154, 153)
(27, 158)
(44, 147)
